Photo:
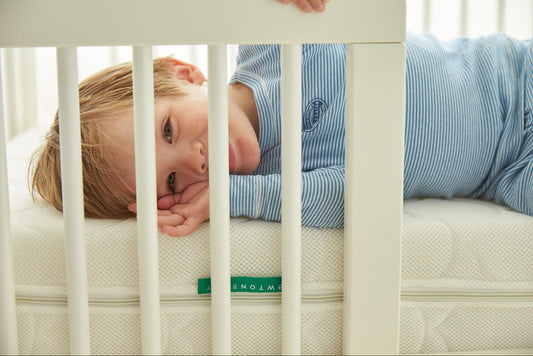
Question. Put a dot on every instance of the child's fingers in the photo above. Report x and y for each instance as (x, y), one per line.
(163, 203)
(160, 210)
(170, 220)
(180, 209)
(171, 231)
(303, 5)
(308, 5)
(318, 5)
(187, 228)
(167, 201)
(163, 212)
(177, 231)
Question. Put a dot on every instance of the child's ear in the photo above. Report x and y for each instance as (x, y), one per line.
(187, 71)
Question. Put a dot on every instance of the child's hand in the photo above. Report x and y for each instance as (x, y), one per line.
(308, 5)
(187, 213)
(180, 214)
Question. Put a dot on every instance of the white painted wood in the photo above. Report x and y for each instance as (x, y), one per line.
(375, 117)
(12, 94)
(291, 197)
(72, 190)
(156, 22)
(8, 315)
(147, 232)
(501, 15)
(21, 93)
(219, 200)
(113, 55)
(27, 88)
(426, 18)
(463, 26)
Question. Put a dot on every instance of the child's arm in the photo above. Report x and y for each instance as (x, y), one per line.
(514, 185)
(308, 5)
(259, 197)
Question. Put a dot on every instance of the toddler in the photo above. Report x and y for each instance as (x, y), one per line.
(468, 133)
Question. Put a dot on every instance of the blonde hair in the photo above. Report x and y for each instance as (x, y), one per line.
(106, 195)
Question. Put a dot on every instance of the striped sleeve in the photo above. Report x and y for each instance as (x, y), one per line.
(259, 197)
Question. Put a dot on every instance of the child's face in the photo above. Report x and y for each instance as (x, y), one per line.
(181, 141)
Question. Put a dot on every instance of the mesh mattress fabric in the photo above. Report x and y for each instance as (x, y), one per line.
(467, 280)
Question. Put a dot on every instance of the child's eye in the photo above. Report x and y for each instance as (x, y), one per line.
(171, 181)
(167, 131)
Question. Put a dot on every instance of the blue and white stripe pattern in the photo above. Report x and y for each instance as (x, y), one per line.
(469, 130)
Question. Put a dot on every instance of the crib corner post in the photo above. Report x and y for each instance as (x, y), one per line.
(375, 114)
(8, 315)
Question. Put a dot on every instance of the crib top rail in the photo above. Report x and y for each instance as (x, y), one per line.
(59, 23)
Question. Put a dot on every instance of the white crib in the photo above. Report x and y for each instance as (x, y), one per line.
(368, 302)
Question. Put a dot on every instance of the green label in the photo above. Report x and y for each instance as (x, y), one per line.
(245, 284)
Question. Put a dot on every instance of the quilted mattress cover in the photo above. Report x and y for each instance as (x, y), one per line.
(467, 280)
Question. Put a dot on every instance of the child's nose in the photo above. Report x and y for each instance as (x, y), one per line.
(197, 160)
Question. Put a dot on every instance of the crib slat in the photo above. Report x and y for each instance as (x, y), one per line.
(147, 232)
(219, 200)
(501, 16)
(375, 115)
(463, 30)
(72, 190)
(426, 19)
(291, 192)
(8, 315)
(21, 95)
(12, 95)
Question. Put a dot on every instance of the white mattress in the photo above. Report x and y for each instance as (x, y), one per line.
(467, 280)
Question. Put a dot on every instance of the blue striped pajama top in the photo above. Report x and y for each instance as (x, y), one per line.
(469, 129)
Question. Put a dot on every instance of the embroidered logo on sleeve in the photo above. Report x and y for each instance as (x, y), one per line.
(313, 113)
